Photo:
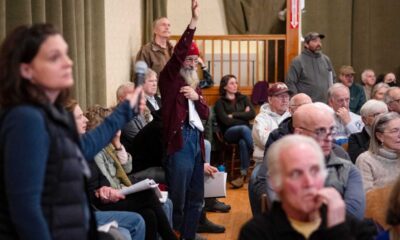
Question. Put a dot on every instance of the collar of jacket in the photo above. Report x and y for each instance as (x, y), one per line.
(312, 54)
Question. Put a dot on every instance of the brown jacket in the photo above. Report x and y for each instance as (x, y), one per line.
(155, 56)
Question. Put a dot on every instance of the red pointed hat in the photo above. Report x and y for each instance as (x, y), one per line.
(194, 50)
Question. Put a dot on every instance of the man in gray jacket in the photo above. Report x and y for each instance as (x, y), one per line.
(311, 72)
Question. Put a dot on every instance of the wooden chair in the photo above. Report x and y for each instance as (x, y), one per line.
(376, 204)
(229, 155)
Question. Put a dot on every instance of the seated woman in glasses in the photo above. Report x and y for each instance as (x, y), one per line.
(234, 111)
(380, 165)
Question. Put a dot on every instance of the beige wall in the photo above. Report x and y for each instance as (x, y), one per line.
(123, 38)
(212, 17)
(123, 27)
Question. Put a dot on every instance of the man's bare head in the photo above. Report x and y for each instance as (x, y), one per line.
(298, 100)
(316, 120)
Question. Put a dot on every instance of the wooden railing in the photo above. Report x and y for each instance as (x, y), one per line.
(249, 57)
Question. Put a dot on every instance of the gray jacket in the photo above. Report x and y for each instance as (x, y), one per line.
(311, 73)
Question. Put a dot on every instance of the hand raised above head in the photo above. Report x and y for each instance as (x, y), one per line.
(195, 14)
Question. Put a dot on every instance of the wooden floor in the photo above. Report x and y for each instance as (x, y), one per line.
(233, 221)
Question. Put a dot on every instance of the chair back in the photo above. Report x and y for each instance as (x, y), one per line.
(376, 204)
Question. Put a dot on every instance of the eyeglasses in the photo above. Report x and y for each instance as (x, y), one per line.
(322, 133)
(396, 100)
(194, 60)
(393, 132)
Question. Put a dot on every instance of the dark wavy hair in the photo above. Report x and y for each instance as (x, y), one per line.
(21, 46)
(224, 81)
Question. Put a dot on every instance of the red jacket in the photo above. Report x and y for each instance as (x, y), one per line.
(174, 104)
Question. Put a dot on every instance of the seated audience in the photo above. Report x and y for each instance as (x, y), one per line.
(270, 116)
(392, 215)
(368, 79)
(109, 173)
(132, 128)
(390, 79)
(392, 99)
(234, 112)
(380, 165)
(359, 142)
(357, 95)
(379, 90)
(306, 209)
(347, 122)
(317, 116)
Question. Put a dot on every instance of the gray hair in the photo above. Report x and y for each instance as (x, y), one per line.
(373, 106)
(334, 88)
(364, 74)
(274, 154)
(379, 125)
(377, 87)
(149, 72)
(389, 98)
(122, 88)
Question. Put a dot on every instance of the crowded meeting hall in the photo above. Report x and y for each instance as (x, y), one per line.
(199, 119)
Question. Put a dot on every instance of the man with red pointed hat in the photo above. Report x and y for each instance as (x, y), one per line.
(183, 108)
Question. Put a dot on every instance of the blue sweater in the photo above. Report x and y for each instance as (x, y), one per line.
(26, 145)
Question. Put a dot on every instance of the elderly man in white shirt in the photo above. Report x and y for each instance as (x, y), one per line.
(347, 122)
(271, 114)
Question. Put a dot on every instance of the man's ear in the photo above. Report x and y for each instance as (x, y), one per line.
(274, 185)
(25, 70)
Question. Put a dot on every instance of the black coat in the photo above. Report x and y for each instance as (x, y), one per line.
(358, 143)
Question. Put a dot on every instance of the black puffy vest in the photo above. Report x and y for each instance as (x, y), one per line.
(64, 197)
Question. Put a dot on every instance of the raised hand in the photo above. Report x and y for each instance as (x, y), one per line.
(195, 14)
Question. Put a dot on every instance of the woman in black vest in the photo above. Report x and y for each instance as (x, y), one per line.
(42, 168)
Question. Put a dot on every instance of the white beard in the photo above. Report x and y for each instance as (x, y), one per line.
(190, 76)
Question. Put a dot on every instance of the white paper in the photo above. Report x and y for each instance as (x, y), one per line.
(164, 196)
(106, 227)
(215, 186)
(140, 186)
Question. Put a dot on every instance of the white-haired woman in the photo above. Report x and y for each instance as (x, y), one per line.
(380, 165)
(359, 142)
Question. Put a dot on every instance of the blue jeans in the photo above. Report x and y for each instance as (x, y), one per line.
(207, 150)
(185, 176)
(241, 134)
(130, 221)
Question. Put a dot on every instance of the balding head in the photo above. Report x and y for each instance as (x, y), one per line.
(315, 120)
(298, 100)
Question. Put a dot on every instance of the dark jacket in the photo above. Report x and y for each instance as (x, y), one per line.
(311, 73)
(64, 202)
(358, 143)
(151, 107)
(174, 104)
(357, 98)
(224, 107)
(147, 147)
(275, 225)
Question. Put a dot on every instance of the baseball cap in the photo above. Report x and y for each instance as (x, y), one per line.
(313, 35)
(278, 88)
